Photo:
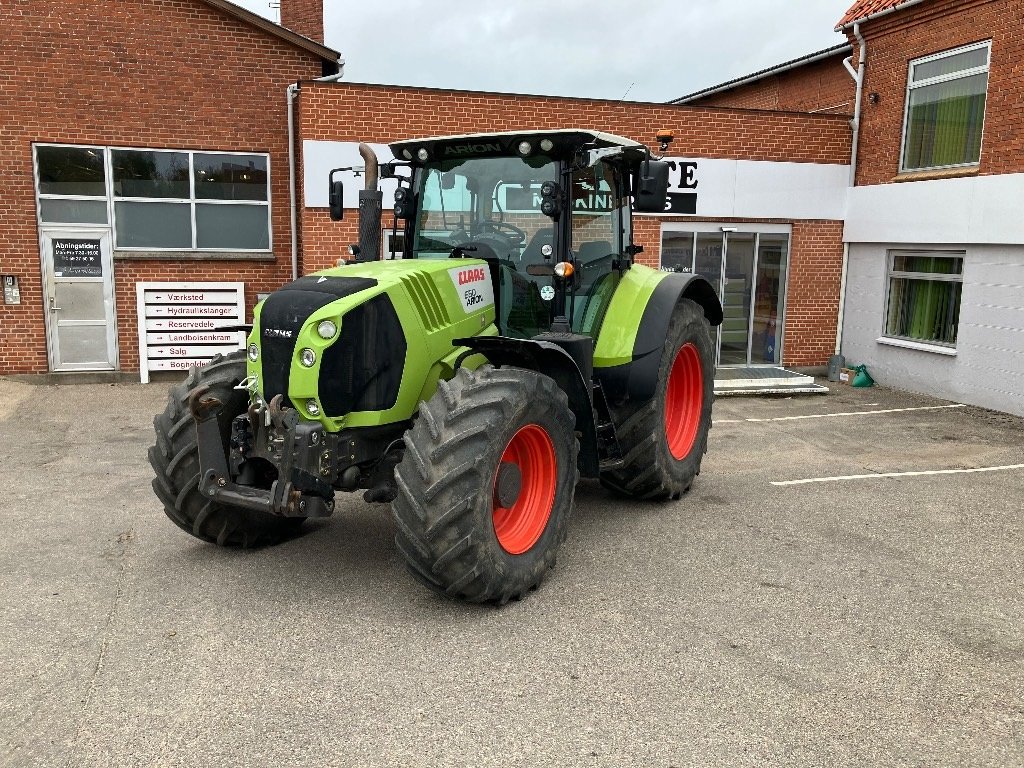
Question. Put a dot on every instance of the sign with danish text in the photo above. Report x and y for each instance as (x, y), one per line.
(76, 257)
(182, 325)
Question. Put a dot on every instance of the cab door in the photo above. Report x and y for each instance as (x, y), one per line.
(600, 230)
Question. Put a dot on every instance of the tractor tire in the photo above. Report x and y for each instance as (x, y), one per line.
(664, 439)
(175, 459)
(486, 484)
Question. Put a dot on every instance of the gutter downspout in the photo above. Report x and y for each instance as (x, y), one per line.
(858, 77)
(293, 89)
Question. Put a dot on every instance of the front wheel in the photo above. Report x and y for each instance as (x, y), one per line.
(664, 439)
(486, 484)
(175, 461)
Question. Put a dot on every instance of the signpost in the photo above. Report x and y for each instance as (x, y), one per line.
(180, 324)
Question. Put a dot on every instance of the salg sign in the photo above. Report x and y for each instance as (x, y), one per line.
(182, 325)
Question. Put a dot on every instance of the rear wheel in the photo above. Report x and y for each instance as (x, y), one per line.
(486, 484)
(664, 439)
(175, 460)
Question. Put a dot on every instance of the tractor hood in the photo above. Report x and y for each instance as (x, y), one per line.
(341, 340)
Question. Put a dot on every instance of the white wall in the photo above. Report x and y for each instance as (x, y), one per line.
(979, 209)
(988, 368)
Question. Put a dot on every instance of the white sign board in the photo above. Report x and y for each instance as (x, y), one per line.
(698, 186)
(756, 189)
(179, 324)
(320, 157)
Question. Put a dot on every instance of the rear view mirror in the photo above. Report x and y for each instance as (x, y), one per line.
(336, 200)
(652, 187)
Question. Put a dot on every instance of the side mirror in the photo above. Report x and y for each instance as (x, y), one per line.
(652, 187)
(336, 199)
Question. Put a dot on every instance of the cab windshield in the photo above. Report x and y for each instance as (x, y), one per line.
(491, 204)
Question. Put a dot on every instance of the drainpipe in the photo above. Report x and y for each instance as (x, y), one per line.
(293, 89)
(858, 77)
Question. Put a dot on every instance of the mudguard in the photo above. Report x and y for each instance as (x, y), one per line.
(628, 350)
(551, 360)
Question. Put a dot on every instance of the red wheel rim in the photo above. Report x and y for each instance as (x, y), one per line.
(684, 401)
(520, 526)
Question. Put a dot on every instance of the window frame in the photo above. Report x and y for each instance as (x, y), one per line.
(911, 86)
(940, 277)
(111, 199)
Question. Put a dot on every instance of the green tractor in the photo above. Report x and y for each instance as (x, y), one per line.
(512, 347)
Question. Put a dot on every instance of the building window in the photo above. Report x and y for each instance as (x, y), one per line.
(924, 296)
(159, 199)
(945, 111)
(190, 200)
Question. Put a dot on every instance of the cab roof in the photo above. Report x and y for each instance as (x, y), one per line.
(507, 143)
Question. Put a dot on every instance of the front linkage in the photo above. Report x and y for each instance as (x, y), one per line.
(303, 453)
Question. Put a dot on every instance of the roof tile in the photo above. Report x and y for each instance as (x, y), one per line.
(864, 8)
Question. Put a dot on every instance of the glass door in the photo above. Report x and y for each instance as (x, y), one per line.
(707, 262)
(748, 270)
(769, 299)
(736, 287)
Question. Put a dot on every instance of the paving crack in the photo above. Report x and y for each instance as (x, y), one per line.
(125, 541)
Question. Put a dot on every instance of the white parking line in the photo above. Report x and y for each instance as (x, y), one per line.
(847, 413)
(898, 474)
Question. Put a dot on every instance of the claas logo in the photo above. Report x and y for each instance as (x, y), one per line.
(472, 275)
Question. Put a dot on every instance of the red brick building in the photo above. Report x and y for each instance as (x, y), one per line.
(150, 145)
(112, 113)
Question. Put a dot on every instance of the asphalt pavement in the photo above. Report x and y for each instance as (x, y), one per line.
(871, 621)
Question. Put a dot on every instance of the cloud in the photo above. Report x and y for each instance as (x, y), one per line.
(655, 50)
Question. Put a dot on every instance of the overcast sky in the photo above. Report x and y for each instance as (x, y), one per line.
(655, 49)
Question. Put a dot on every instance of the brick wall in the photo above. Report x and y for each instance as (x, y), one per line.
(305, 17)
(356, 112)
(822, 86)
(147, 73)
(932, 27)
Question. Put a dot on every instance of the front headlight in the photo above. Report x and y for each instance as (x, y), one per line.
(254, 352)
(326, 329)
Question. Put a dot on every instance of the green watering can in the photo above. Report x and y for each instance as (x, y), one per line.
(863, 378)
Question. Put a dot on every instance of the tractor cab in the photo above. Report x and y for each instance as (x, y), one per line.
(549, 212)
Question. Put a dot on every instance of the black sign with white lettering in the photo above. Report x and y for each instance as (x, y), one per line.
(682, 202)
(77, 258)
(682, 196)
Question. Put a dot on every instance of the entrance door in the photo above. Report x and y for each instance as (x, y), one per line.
(78, 280)
(748, 269)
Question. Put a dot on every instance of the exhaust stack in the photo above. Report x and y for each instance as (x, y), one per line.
(371, 201)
